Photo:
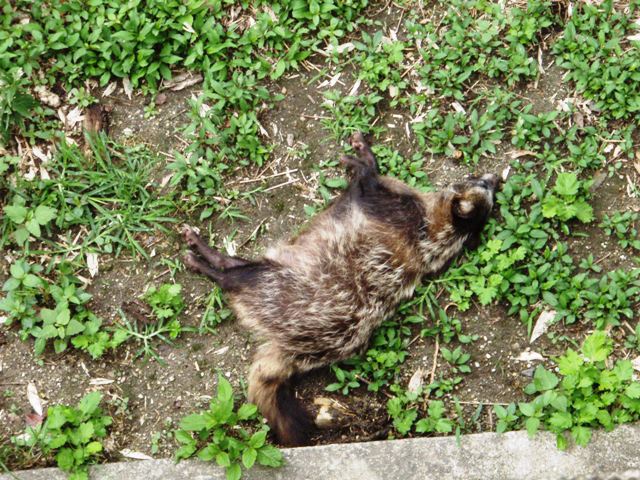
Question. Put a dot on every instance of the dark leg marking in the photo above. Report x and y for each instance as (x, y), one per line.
(215, 258)
(195, 263)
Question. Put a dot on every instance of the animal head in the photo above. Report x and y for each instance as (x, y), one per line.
(472, 202)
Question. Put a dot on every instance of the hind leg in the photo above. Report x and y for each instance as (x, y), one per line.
(215, 259)
(197, 264)
(230, 279)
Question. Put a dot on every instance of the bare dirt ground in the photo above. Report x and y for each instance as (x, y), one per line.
(147, 398)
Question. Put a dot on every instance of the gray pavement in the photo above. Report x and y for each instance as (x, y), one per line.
(610, 456)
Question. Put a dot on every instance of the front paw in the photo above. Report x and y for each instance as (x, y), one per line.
(358, 143)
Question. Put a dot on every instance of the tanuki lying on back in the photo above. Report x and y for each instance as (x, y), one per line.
(316, 298)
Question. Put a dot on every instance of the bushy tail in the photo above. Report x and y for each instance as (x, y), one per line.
(271, 390)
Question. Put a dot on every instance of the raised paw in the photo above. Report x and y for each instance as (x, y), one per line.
(350, 161)
(358, 143)
(190, 236)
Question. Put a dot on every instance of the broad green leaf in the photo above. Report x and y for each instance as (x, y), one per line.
(633, 390)
(247, 411)
(44, 215)
(21, 235)
(257, 439)
(16, 213)
(561, 420)
(55, 418)
(597, 346)
(74, 327)
(581, 435)
(93, 448)
(570, 362)
(222, 459)
(17, 271)
(57, 441)
(90, 402)
(270, 456)
(567, 184)
(65, 460)
(85, 431)
(544, 380)
(225, 392)
(208, 453)
(30, 280)
(195, 422)
(249, 457)
(532, 424)
(183, 437)
(234, 472)
(527, 409)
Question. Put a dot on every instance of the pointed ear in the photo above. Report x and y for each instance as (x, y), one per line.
(463, 207)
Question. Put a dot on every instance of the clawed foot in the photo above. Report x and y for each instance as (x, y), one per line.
(363, 150)
(192, 262)
(350, 161)
(190, 236)
(358, 143)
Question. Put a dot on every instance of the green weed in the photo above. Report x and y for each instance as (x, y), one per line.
(221, 433)
(73, 435)
(586, 394)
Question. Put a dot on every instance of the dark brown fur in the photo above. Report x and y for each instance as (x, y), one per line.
(317, 298)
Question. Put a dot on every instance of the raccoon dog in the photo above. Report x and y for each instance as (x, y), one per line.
(316, 298)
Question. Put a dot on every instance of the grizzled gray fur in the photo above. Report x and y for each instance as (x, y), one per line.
(316, 298)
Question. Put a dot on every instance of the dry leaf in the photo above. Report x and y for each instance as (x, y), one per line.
(542, 324)
(44, 175)
(180, 82)
(505, 173)
(345, 47)
(634, 38)
(74, 116)
(354, 89)
(47, 97)
(34, 399)
(458, 108)
(110, 89)
(100, 381)
(43, 157)
(636, 363)
(92, 264)
(416, 381)
(521, 153)
(135, 455)
(324, 419)
(221, 351)
(128, 88)
(528, 356)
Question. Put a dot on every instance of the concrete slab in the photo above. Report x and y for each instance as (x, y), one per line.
(485, 456)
